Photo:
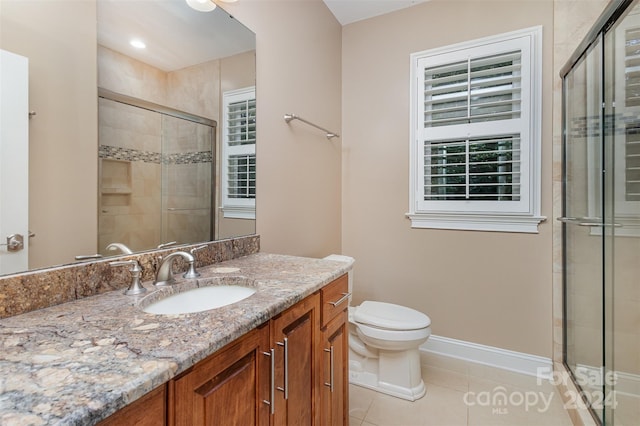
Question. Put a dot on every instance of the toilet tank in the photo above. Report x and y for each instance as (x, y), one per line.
(346, 259)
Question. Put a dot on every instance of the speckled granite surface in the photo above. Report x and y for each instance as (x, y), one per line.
(79, 362)
(39, 289)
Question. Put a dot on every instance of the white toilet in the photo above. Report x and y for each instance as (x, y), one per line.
(383, 346)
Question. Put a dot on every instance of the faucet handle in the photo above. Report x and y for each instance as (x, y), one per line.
(191, 273)
(163, 245)
(136, 271)
(197, 249)
(88, 256)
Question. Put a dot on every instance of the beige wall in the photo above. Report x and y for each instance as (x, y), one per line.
(62, 66)
(483, 287)
(298, 170)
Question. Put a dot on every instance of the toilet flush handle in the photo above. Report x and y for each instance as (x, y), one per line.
(344, 297)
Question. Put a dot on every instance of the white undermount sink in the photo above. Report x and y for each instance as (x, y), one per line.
(200, 299)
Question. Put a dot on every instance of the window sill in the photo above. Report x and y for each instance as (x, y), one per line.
(231, 212)
(476, 222)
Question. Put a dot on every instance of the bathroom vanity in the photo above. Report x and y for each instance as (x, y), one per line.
(276, 357)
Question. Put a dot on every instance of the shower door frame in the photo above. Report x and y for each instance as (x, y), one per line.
(599, 33)
(171, 112)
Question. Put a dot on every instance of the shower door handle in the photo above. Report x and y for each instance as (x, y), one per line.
(586, 221)
(581, 221)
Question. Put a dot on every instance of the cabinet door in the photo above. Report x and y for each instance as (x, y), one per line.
(335, 365)
(228, 388)
(295, 337)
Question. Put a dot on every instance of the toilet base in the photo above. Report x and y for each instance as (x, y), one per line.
(394, 372)
(370, 381)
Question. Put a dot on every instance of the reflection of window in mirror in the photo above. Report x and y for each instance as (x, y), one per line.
(239, 153)
(626, 134)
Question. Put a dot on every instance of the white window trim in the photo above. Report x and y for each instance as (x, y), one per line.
(235, 208)
(526, 221)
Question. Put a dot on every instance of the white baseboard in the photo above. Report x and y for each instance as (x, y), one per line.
(518, 362)
(627, 384)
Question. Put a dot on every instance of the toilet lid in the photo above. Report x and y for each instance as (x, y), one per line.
(390, 316)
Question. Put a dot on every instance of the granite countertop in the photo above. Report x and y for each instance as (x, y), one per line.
(79, 362)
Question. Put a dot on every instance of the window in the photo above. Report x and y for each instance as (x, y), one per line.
(475, 135)
(239, 153)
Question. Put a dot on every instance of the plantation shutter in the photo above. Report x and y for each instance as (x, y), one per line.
(241, 159)
(473, 169)
(632, 127)
(480, 89)
(239, 153)
(475, 129)
(475, 134)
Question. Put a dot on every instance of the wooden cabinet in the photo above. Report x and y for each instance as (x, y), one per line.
(335, 349)
(335, 372)
(150, 410)
(228, 388)
(295, 334)
(292, 370)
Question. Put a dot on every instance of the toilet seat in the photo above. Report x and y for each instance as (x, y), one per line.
(389, 316)
(381, 337)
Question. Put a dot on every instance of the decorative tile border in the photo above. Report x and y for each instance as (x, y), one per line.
(590, 126)
(128, 154)
(188, 158)
(134, 155)
(21, 293)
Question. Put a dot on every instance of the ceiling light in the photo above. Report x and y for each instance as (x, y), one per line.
(202, 5)
(137, 43)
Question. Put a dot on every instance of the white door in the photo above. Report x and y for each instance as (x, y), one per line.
(14, 161)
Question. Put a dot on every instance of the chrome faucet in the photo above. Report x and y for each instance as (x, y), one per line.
(119, 246)
(165, 277)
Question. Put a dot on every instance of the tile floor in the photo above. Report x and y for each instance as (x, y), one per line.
(463, 394)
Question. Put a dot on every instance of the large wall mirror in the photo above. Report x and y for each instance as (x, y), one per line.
(133, 147)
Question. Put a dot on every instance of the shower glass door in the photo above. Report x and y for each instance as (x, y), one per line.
(187, 176)
(622, 217)
(602, 220)
(583, 224)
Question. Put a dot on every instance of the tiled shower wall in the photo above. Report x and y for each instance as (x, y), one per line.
(186, 180)
(167, 161)
(130, 176)
(155, 178)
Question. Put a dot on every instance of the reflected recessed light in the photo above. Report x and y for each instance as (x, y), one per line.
(202, 5)
(137, 43)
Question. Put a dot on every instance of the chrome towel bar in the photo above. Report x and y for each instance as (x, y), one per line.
(329, 134)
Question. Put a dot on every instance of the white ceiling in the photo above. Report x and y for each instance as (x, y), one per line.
(176, 35)
(348, 11)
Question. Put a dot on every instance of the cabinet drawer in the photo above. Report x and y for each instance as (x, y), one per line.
(334, 298)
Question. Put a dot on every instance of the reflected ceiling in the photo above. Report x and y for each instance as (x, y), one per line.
(176, 36)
